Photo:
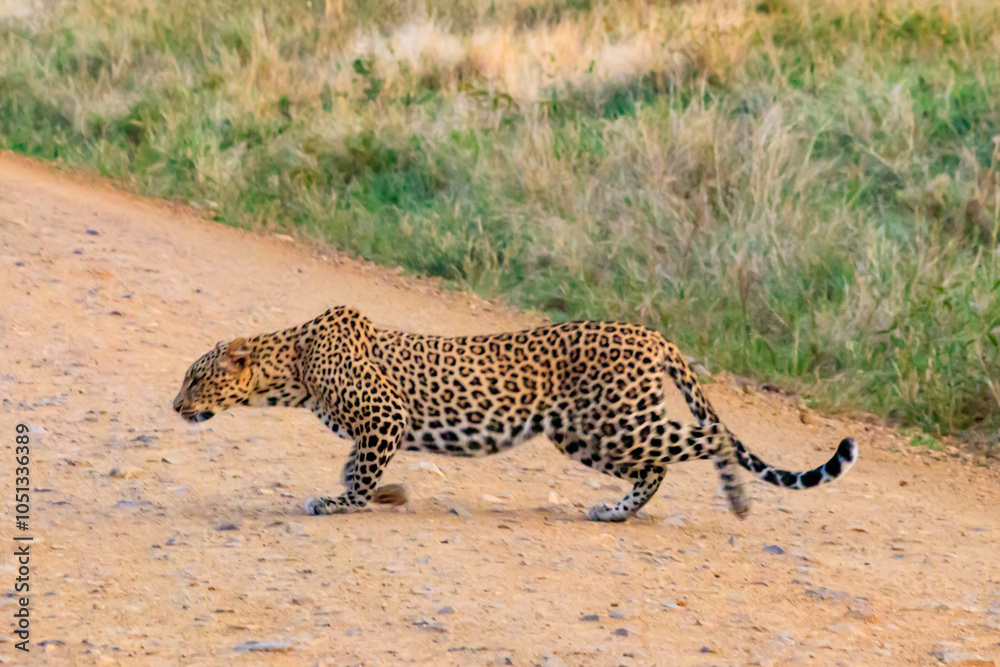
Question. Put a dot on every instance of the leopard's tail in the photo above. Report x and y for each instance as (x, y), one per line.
(685, 379)
(837, 466)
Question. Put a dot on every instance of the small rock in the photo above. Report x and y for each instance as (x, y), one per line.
(92, 232)
(427, 466)
(460, 511)
(446, 610)
(353, 632)
(621, 613)
(228, 526)
(773, 549)
(861, 608)
(550, 660)
(826, 594)
(807, 417)
(590, 618)
(493, 499)
(275, 646)
(705, 649)
(556, 499)
(676, 520)
(122, 504)
(963, 659)
(126, 472)
(621, 632)
(424, 624)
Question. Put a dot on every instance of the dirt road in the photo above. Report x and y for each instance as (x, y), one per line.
(158, 542)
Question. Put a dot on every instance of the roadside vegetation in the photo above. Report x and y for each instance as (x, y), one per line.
(803, 192)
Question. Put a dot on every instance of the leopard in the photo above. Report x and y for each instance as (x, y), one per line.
(596, 390)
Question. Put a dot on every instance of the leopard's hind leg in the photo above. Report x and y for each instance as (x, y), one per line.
(644, 462)
(643, 490)
(645, 479)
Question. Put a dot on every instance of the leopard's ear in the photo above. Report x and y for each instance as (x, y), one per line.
(238, 353)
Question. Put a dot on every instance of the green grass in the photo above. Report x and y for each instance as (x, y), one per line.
(802, 192)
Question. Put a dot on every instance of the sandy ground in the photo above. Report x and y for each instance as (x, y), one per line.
(158, 542)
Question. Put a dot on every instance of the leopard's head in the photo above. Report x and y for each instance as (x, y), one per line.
(219, 380)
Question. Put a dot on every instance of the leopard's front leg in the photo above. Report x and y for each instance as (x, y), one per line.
(376, 420)
(365, 465)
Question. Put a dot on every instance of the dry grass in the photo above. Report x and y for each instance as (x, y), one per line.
(804, 192)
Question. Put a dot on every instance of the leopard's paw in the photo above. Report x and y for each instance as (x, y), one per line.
(327, 505)
(319, 506)
(602, 512)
